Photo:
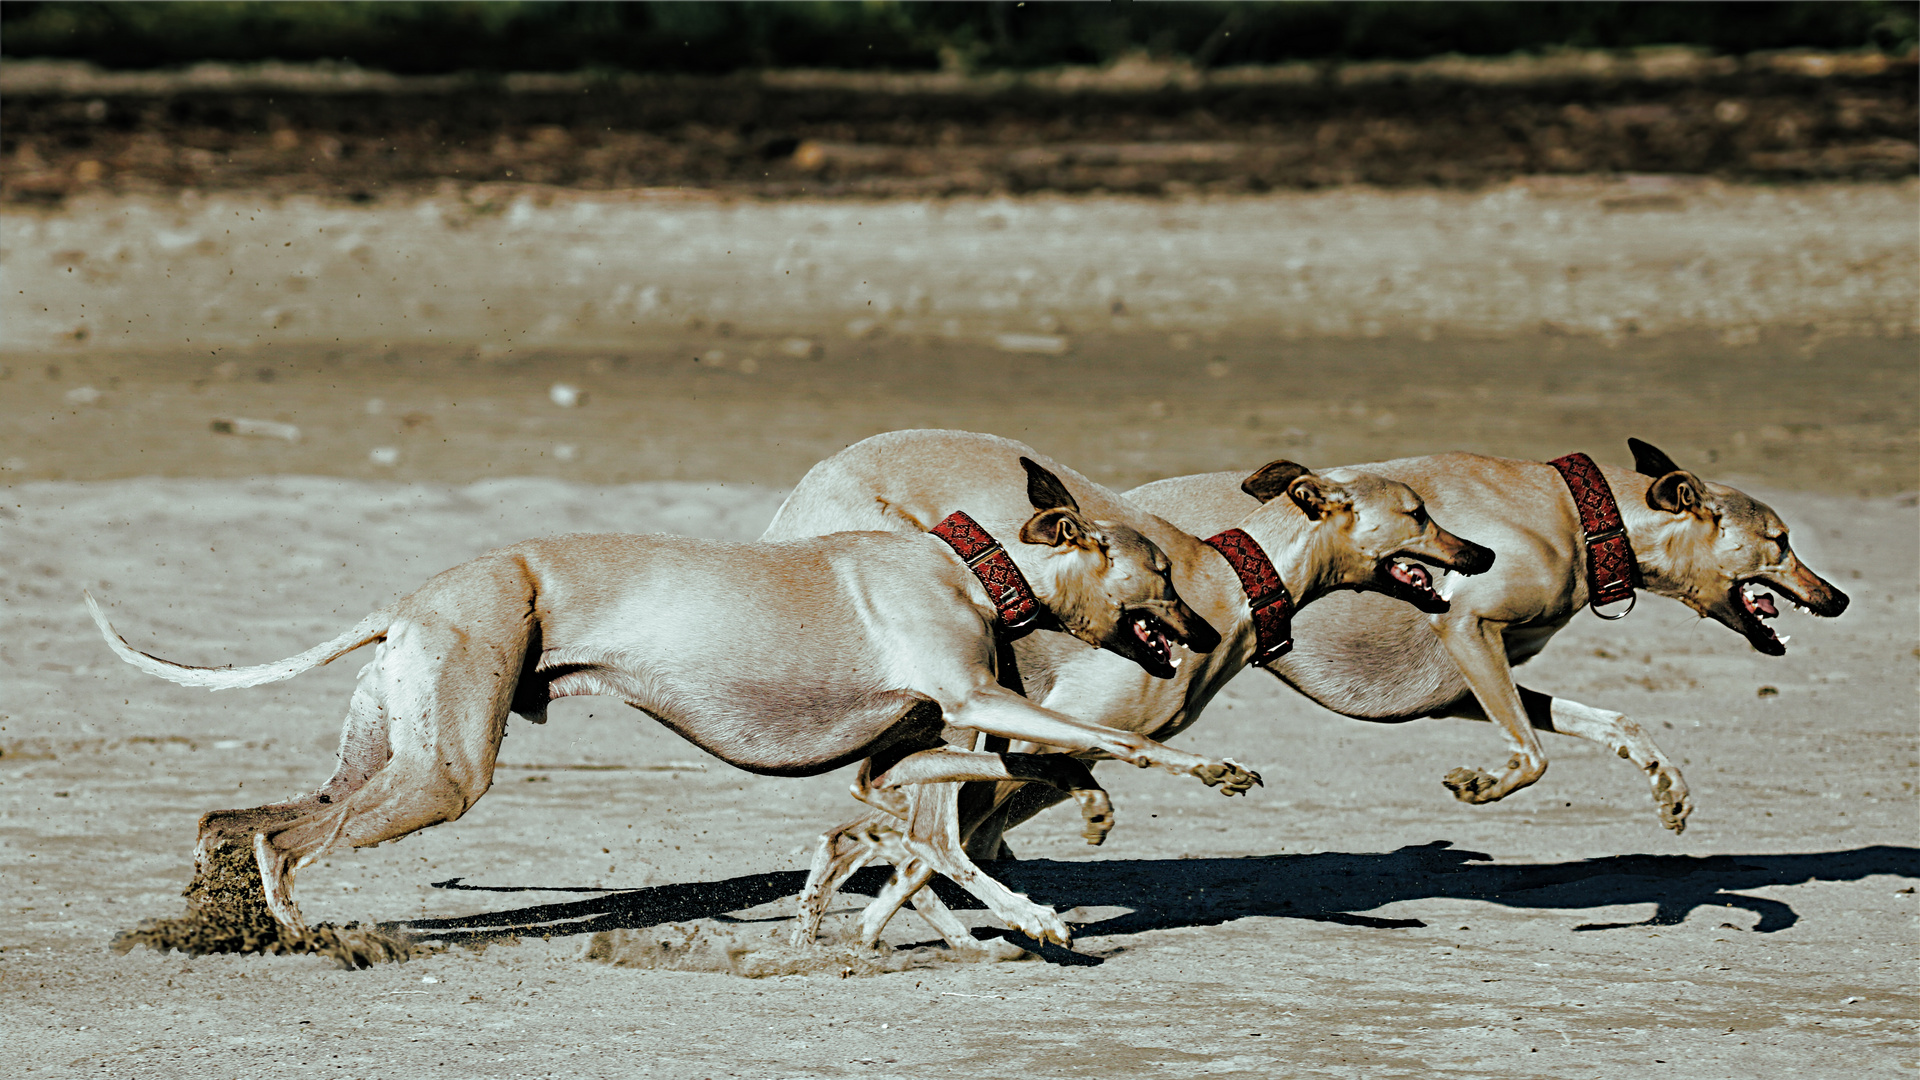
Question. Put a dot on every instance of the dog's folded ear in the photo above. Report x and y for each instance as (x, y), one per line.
(1649, 460)
(1316, 495)
(1057, 527)
(1268, 481)
(1044, 490)
(1674, 490)
(1677, 492)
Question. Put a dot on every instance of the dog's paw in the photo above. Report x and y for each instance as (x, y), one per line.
(1471, 785)
(1042, 924)
(1671, 797)
(1231, 777)
(1096, 814)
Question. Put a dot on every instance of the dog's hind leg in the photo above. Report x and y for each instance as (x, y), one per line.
(1059, 771)
(445, 678)
(363, 751)
(1624, 738)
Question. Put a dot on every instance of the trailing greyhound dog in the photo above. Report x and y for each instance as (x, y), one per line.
(790, 659)
(1303, 537)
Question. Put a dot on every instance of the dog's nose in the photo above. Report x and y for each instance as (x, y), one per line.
(1473, 559)
(1200, 634)
(1836, 602)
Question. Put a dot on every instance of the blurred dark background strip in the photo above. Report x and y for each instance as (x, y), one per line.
(408, 37)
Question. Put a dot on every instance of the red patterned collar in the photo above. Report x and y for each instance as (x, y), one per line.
(1019, 611)
(1267, 595)
(1612, 572)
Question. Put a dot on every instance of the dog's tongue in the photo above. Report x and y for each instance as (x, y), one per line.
(1764, 605)
(1413, 575)
(1150, 634)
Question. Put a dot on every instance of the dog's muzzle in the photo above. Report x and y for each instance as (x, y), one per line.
(1148, 638)
(1402, 576)
(1753, 606)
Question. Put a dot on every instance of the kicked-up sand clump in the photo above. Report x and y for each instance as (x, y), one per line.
(227, 913)
(761, 952)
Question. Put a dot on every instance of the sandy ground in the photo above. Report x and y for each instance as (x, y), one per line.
(1348, 919)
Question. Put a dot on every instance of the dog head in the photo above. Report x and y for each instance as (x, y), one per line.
(1107, 584)
(1718, 550)
(1370, 533)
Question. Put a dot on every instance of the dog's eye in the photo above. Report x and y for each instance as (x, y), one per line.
(1781, 543)
(1419, 516)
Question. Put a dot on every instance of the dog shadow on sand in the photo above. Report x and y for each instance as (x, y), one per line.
(1160, 894)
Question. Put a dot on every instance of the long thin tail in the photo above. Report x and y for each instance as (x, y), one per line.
(371, 628)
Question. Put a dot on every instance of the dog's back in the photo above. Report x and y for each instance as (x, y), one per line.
(906, 481)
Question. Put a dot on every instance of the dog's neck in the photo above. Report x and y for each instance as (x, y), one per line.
(1050, 574)
(1305, 557)
(1649, 531)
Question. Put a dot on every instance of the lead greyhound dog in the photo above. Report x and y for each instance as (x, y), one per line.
(790, 659)
(1344, 530)
(1709, 546)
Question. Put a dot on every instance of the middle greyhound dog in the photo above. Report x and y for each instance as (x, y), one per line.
(790, 659)
(1344, 530)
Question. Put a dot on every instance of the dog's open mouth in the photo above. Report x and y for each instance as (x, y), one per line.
(1150, 643)
(1403, 579)
(1754, 604)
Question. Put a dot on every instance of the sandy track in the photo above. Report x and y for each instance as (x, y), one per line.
(1364, 937)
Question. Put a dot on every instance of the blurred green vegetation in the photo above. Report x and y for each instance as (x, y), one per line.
(412, 37)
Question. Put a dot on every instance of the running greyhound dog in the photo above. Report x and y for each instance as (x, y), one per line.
(1707, 545)
(1713, 548)
(1342, 530)
(790, 659)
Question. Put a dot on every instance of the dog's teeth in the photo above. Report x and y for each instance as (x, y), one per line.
(1177, 661)
(1784, 638)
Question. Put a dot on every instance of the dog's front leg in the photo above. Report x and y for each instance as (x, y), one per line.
(1000, 712)
(1477, 649)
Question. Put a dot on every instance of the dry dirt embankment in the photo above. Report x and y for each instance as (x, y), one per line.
(1136, 127)
(506, 267)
